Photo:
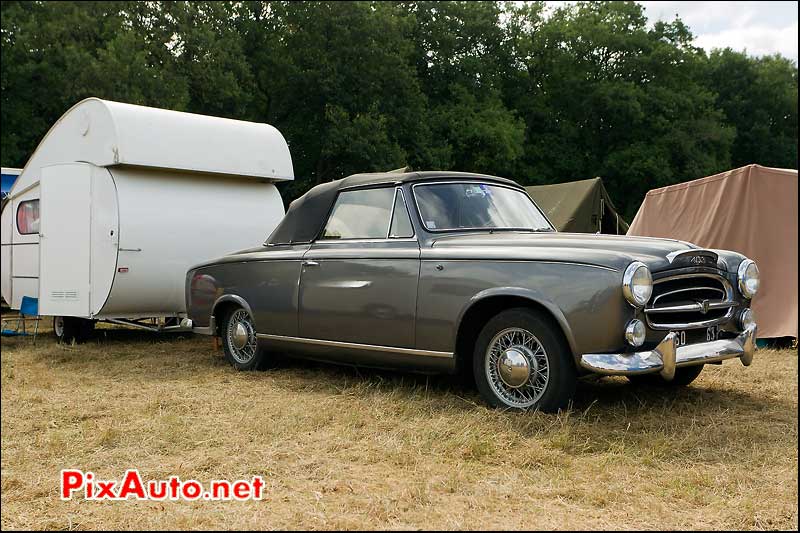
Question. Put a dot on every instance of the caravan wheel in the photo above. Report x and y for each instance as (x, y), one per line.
(71, 329)
(58, 327)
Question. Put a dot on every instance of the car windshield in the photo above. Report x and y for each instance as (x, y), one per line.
(454, 206)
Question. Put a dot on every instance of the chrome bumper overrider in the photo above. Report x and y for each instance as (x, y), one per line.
(666, 357)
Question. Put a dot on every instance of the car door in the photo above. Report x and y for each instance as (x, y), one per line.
(359, 278)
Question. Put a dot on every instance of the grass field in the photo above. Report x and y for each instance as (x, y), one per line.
(342, 448)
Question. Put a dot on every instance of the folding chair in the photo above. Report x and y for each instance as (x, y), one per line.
(28, 311)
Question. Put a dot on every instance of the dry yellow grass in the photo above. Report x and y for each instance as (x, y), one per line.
(343, 448)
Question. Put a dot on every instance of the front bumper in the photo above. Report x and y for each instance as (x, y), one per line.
(667, 356)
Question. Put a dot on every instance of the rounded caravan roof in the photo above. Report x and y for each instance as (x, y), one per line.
(109, 134)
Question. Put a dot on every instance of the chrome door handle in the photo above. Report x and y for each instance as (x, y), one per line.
(309, 263)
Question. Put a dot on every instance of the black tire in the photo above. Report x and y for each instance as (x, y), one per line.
(551, 379)
(69, 329)
(683, 377)
(248, 356)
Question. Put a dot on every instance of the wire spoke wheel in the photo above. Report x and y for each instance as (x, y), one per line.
(517, 367)
(241, 337)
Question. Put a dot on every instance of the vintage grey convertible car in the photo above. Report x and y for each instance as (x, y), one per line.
(442, 271)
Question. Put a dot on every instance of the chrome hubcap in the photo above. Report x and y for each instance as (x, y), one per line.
(513, 368)
(517, 367)
(241, 337)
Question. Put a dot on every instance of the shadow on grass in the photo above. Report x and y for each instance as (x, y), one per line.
(599, 395)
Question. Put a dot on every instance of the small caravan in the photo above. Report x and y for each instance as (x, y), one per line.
(119, 200)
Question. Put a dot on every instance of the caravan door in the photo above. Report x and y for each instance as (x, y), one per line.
(65, 240)
(79, 236)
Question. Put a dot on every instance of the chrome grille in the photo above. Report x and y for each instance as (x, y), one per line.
(689, 301)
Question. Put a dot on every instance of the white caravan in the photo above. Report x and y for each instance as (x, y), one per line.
(119, 200)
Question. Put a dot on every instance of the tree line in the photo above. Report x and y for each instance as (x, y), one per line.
(511, 89)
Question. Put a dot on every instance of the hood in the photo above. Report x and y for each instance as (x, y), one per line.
(614, 251)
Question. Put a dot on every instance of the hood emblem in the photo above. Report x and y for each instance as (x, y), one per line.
(705, 305)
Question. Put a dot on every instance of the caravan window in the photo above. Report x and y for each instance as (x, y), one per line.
(28, 217)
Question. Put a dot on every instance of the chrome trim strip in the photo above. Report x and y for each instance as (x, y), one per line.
(376, 185)
(350, 241)
(346, 284)
(399, 191)
(391, 214)
(354, 345)
(665, 358)
(456, 260)
(688, 307)
(718, 277)
(690, 325)
(689, 289)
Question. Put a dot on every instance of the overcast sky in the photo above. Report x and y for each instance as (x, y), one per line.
(759, 27)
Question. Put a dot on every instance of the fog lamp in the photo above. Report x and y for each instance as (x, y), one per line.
(635, 332)
(746, 319)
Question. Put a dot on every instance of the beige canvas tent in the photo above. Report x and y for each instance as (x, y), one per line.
(752, 210)
(579, 206)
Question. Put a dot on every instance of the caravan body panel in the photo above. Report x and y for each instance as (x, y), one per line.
(170, 221)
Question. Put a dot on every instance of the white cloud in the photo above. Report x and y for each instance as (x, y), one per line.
(760, 28)
(757, 40)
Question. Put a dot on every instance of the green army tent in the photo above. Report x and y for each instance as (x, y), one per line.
(579, 206)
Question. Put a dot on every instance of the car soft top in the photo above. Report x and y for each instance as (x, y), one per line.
(306, 215)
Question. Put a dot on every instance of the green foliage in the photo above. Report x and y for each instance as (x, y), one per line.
(503, 88)
(607, 96)
(759, 97)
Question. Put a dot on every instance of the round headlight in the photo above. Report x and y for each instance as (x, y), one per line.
(635, 332)
(637, 284)
(746, 319)
(749, 278)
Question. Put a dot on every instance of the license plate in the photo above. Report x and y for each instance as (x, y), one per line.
(708, 334)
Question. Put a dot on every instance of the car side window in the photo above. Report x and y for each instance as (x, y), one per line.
(401, 223)
(362, 214)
